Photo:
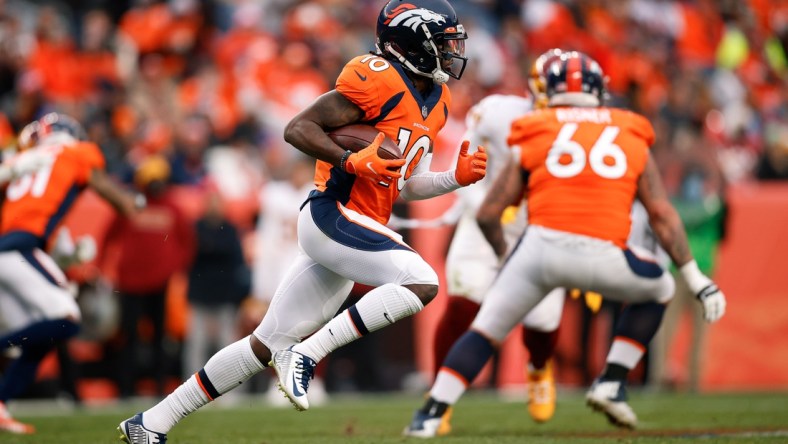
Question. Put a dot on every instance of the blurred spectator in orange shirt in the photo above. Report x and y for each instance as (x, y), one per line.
(54, 65)
(212, 93)
(292, 82)
(97, 56)
(171, 29)
(245, 41)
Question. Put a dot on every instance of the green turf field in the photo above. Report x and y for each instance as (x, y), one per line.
(479, 418)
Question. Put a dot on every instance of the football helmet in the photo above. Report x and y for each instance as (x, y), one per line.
(66, 128)
(575, 79)
(537, 78)
(425, 36)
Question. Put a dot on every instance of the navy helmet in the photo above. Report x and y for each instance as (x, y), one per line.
(48, 125)
(575, 79)
(425, 36)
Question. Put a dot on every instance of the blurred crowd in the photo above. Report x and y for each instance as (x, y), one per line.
(193, 95)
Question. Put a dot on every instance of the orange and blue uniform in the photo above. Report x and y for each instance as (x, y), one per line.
(392, 105)
(567, 152)
(36, 203)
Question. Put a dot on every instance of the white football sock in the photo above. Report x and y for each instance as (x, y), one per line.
(227, 369)
(380, 307)
(448, 387)
(625, 352)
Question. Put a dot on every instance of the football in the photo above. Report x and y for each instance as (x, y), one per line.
(356, 137)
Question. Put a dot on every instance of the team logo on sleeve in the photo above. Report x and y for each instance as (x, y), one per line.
(412, 17)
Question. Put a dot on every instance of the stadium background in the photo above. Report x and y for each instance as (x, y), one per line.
(211, 84)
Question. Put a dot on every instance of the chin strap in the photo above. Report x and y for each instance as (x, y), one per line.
(439, 76)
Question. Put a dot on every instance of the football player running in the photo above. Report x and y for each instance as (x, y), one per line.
(401, 90)
(471, 264)
(36, 307)
(581, 166)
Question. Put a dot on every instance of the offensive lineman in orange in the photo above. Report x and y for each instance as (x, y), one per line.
(36, 310)
(400, 89)
(581, 166)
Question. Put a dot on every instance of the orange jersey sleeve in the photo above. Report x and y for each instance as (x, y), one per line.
(36, 203)
(391, 103)
(583, 166)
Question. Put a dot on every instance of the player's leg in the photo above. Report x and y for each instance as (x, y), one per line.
(540, 336)
(362, 250)
(300, 307)
(131, 310)
(648, 288)
(471, 266)
(454, 322)
(308, 295)
(13, 315)
(224, 371)
(156, 310)
(514, 292)
(38, 314)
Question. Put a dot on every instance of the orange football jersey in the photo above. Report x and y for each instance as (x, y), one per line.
(393, 105)
(583, 165)
(36, 203)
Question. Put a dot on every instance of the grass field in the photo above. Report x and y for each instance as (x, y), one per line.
(479, 418)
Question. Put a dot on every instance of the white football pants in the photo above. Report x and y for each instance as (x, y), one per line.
(338, 247)
(31, 290)
(547, 259)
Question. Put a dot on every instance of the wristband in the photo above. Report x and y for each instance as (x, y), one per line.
(343, 160)
(696, 280)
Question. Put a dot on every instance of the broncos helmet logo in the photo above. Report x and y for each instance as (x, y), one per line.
(412, 17)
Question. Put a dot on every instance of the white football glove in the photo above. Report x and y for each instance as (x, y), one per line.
(713, 302)
(707, 292)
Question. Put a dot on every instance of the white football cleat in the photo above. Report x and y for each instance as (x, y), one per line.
(610, 398)
(294, 371)
(133, 432)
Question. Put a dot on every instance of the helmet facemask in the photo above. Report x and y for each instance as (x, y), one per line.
(440, 56)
